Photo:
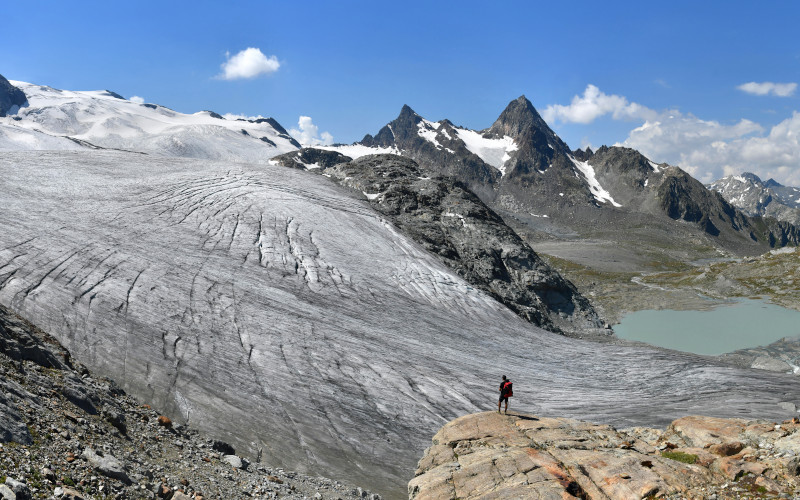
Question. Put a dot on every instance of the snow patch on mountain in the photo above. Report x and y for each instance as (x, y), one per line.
(600, 193)
(358, 150)
(493, 151)
(428, 131)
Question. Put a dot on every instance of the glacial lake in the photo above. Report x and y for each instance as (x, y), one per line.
(725, 328)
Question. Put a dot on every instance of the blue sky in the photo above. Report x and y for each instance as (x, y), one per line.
(665, 78)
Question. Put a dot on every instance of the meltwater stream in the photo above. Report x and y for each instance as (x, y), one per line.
(742, 324)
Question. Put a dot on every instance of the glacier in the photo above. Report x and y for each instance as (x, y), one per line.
(281, 313)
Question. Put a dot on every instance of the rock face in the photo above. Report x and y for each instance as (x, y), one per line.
(453, 224)
(281, 313)
(10, 96)
(436, 144)
(310, 159)
(753, 196)
(683, 197)
(489, 455)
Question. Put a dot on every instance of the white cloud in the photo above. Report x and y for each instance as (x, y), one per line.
(594, 104)
(709, 150)
(248, 63)
(308, 133)
(136, 99)
(768, 88)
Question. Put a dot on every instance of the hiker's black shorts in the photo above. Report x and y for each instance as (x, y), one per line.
(503, 398)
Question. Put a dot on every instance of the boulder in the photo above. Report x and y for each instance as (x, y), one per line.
(20, 490)
(771, 364)
(64, 493)
(7, 493)
(107, 465)
(235, 461)
(698, 432)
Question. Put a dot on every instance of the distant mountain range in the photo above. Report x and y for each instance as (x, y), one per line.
(753, 196)
(524, 171)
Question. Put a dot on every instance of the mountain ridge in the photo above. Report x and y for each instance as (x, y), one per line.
(519, 165)
(760, 198)
(68, 120)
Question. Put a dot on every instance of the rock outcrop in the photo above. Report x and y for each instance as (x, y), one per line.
(489, 455)
(310, 158)
(685, 198)
(10, 96)
(451, 222)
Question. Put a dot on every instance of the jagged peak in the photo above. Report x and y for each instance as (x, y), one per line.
(521, 104)
(407, 111)
(521, 118)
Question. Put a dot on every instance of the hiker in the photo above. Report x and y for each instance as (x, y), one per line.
(505, 393)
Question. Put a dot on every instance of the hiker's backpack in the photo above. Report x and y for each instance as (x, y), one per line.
(507, 389)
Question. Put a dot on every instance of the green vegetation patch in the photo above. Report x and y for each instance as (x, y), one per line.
(680, 456)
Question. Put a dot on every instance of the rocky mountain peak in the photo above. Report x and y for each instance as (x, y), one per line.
(520, 120)
(753, 196)
(401, 129)
(406, 111)
(752, 177)
(10, 96)
(583, 155)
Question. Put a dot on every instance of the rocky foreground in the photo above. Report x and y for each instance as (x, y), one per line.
(489, 455)
(65, 434)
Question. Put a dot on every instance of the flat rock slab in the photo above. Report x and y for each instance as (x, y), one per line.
(489, 455)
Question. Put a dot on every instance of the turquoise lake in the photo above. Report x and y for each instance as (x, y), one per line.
(726, 328)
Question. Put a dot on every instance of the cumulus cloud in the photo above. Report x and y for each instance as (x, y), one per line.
(709, 150)
(249, 63)
(136, 99)
(768, 88)
(308, 134)
(593, 104)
